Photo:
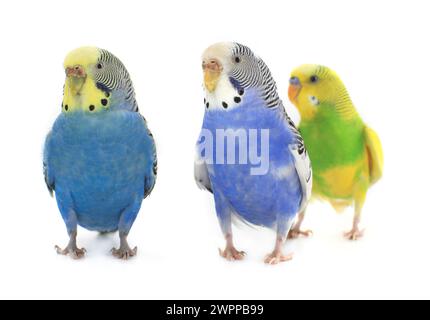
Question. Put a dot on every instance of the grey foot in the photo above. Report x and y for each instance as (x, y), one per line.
(124, 252)
(72, 250)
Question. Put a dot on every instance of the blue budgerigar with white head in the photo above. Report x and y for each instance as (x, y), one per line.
(99, 157)
(250, 154)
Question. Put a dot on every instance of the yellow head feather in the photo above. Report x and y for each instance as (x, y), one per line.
(314, 85)
(80, 90)
(84, 56)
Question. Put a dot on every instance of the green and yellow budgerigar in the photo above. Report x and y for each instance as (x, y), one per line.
(346, 154)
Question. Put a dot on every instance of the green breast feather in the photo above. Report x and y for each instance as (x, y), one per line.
(332, 140)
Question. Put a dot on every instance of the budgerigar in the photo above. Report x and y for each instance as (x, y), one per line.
(242, 105)
(346, 154)
(99, 157)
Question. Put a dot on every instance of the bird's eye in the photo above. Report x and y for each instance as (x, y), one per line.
(313, 79)
(237, 59)
(99, 66)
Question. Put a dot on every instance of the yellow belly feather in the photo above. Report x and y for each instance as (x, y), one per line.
(343, 184)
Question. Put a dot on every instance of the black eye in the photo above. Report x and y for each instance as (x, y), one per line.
(237, 59)
(313, 79)
(99, 66)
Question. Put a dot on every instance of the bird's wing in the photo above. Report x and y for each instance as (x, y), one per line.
(302, 163)
(375, 154)
(304, 172)
(151, 177)
(201, 175)
(47, 171)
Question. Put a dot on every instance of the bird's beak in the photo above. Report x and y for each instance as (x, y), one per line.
(294, 88)
(76, 71)
(76, 76)
(212, 69)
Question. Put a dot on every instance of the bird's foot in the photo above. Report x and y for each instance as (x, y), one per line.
(124, 252)
(277, 256)
(354, 234)
(295, 233)
(72, 250)
(230, 253)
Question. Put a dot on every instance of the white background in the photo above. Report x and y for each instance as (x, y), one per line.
(379, 48)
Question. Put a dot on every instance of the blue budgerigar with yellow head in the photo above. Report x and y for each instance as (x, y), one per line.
(99, 157)
(250, 154)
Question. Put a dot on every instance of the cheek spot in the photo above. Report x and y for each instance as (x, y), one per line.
(314, 100)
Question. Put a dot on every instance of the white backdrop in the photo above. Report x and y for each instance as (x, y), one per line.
(379, 48)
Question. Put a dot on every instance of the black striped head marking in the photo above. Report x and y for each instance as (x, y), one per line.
(250, 71)
(110, 75)
(242, 69)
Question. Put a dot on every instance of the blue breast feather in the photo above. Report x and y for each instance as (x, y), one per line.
(104, 161)
(259, 199)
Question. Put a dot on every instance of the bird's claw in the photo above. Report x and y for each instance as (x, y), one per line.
(276, 257)
(295, 233)
(124, 252)
(231, 254)
(354, 234)
(73, 251)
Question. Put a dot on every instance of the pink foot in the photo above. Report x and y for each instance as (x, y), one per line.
(295, 233)
(354, 234)
(277, 256)
(231, 254)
